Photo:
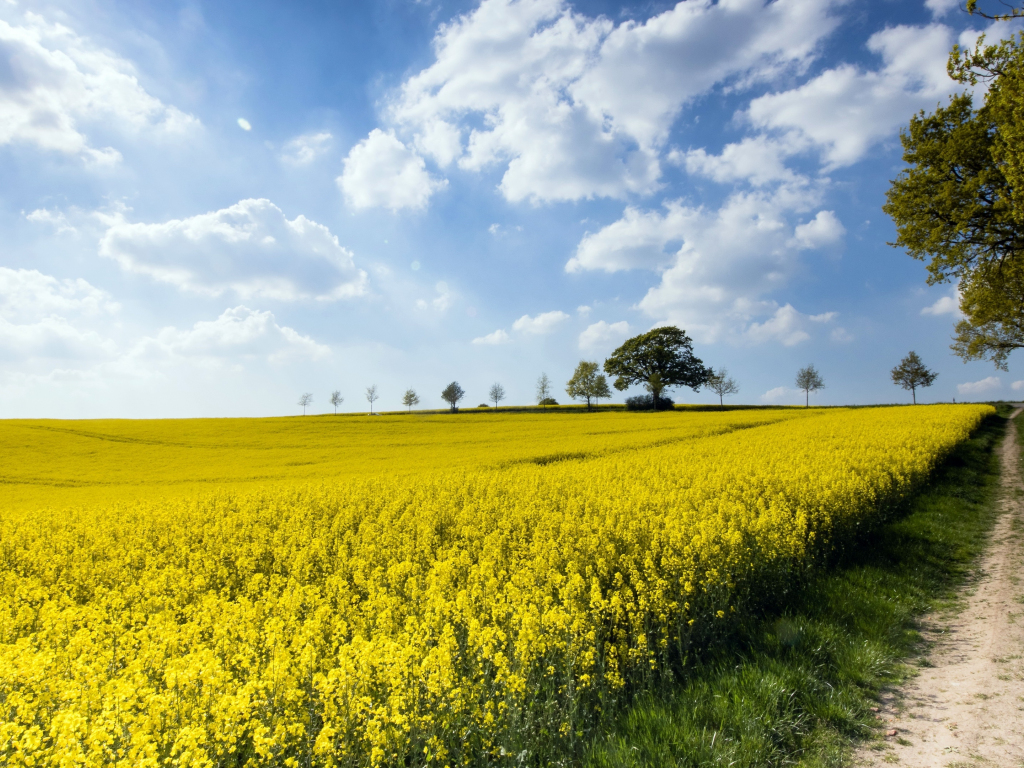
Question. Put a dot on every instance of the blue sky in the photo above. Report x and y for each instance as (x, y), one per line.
(208, 209)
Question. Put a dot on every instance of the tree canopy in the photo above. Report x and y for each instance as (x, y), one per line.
(911, 373)
(587, 384)
(658, 359)
(960, 204)
(452, 394)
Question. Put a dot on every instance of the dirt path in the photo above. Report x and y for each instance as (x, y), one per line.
(966, 707)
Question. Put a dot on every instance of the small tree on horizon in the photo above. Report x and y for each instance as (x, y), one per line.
(410, 398)
(543, 390)
(305, 400)
(371, 395)
(496, 394)
(586, 383)
(911, 373)
(809, 380)
(336, 400)
(452, 394)
(721, 384)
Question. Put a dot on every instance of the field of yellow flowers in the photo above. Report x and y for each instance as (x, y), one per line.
(480, 593)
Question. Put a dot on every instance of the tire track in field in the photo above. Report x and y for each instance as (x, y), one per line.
(966, 707)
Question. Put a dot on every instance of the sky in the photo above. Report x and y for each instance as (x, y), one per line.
(210, 208)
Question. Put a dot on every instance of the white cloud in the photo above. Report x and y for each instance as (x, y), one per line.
(716, 265)
(380, 171)
(238, 333)
(55, 219)
(757, 159)
(27, 294)
(787, 326)
(602, 335)
(244, 124)
(541, 324)
(441, 301)
(304, 149)
(42, 317)
(583, 310)
(779, 393)
(824, 229)
(979, 388)
(250, 248)
(58, 86)
(947, 305)
(940, 8)
(845, 110)
(498, 337)
(1017, 386)
(573, 107)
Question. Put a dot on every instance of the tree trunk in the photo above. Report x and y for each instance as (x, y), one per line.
(807, 398)
(913, 391)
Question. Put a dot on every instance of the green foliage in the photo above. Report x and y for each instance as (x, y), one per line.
(960, 206)
(410, 398)
(658, 359)
(795, 686)
(452, 394)
(911, 373)
(587, 384)
(548, 401)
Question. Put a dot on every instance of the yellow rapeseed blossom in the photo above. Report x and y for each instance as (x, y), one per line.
(436, 617)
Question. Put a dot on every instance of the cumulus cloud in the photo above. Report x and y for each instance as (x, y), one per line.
(381, 171)
(56, 219)
(824, 229)
(845, 110)
(980, 388)
(787, 326)
(1017, 386)
(250, 248)
(574, 107)
(940, 8)
(541, 324)
(602, 335)
(42, 317)
(58, 86)
(758, 160)
(498, 337)
(716, 266)
(302, 150)
(239, 332)
(946, 305)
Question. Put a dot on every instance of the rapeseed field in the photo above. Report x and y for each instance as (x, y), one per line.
(482, 593)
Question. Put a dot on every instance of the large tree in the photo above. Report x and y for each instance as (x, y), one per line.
(496, 393)
(960, 204)
(410, 398)
(911, 373)
(543, 389)
(657, 360)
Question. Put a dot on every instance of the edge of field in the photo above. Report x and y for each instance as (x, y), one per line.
(796, 684)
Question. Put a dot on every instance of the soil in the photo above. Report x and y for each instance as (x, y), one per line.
(965, 707)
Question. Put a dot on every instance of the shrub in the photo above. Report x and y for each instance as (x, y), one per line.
(548, 401)
(646, 403)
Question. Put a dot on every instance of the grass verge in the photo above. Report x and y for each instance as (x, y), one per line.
(795, 687)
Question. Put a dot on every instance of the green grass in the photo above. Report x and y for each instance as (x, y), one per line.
(795, 685)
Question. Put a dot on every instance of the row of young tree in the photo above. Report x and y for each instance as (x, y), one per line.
(657, 360)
